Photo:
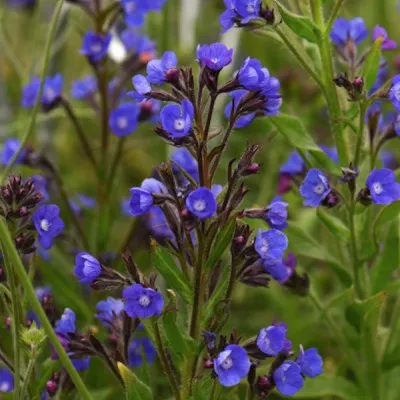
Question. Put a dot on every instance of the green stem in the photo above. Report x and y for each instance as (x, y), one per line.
(360, 135)
(15, 320)
(164, 360)
(29, 131)
(214, 390)
(333, 16)
(331, 95)
(15, 261)
(115, 163)
(28, 375)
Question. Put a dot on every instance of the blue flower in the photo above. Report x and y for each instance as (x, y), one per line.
(81, 364)
(288, 379)
(87, 267)
(247, 9)
(383, 186)
(126, 207)
(294, 164)
(276, 213)
(201, 203)
(186, 161)
(124, 119)
(331, 152)
(108, 310)
(243, 120)
(388, 159)
(228, 17)
(271, 340)
(157, 223)
(270, 244)
(48, 224)
(343, 31)
(142, 87)
(314, 188)
(281, 270)
(310, 362)
(387, 44)
(41, 185)
(10, 147)
(136, 349)
(86, 201)
(6, 381)
(66, 324)
(176, 119)
(135, 11)
(141, 302)
(157, 70)
(30, 92)
(52, 89)
(231, 365)
(216, 190)
(272, 97)
(153, 185)
(137, 43)
(214, 56)
(95, 46)
(394, 92)
(252, 75)
(42, 292)
(84, 88)
(141, 201)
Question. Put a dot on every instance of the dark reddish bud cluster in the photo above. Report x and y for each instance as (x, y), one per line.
(53, 384)
(355, 89)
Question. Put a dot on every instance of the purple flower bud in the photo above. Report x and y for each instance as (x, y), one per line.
(141, 201)
(87, 268)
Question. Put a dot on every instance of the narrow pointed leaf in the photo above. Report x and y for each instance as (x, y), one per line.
(135, 389)
(334, 225)
(371, 66)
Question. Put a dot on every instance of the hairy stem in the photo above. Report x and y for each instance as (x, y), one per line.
(27, 378)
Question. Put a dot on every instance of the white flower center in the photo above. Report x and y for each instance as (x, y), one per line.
(179, 124)
(319, 189)
(227, 363)
(397, 94)
(144, 300)
(4, 387)
(378, 189)
(122, 122)
(264, 246)
(214, 60)
(49, 93)
(199, 205)
(251, 8)
(95, 48)
(44, 225)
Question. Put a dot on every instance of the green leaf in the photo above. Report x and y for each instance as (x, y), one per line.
(202, 388)
(179, 343)
(135, 389)
(387, 214)
(388, 261)
(167, 268)
(391, 358)
(355, 313)
(334, 225)
(299, 24)
(325, 385)
(371, 65)
(295, 133)
(218, 294)
(303, 244)
(222, 241)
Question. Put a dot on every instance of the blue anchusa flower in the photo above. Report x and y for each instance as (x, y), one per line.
(124, 119)
(95, 45)
(126, 207)
(52, 90)
(176, 119)
(84, 88)
(387, 44)
(108, 310)
(81, 364)
(141, 201)
(201, 203)
(382, 186)
(288, 378)
(270, 244)
(87, 267)
(394, 92)
(272, 97)
(66, 324)
(252, 75)
(48, 224)
(41, 185)
(136, 349)
(388, 158)
(331, 152)
(343, 31)
(276, 213)
(6, 380)
(10, 147)
(281, 270)
(243, 120)
(271, 340)
(310, 362)
(314, 188)
(214, 56)
(293, 165)
(141, 302)
(135, 11)
(239, 10)
(142, 87)
(137, 43)
(157, 224)
(157, 70)
(231, 365)
(153, 185)
(187, 162)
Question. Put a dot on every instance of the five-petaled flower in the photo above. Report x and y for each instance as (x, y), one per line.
(314, 188)
(108, 310)
(231, 365)
(48, 224)
(288, 378)
(201, 203)
(141, 201)
(176, 119)
(382, 186)
(87, 267)
(141, 302)
(380, 32)
(276, 213)
(271, 244)
(252, 75)
(310, 362)
(84, 88)
(95, 45)
(271, 340)
(6, 380)
(157, 70)
(343, 31)
(124, 119)
(214, 56)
